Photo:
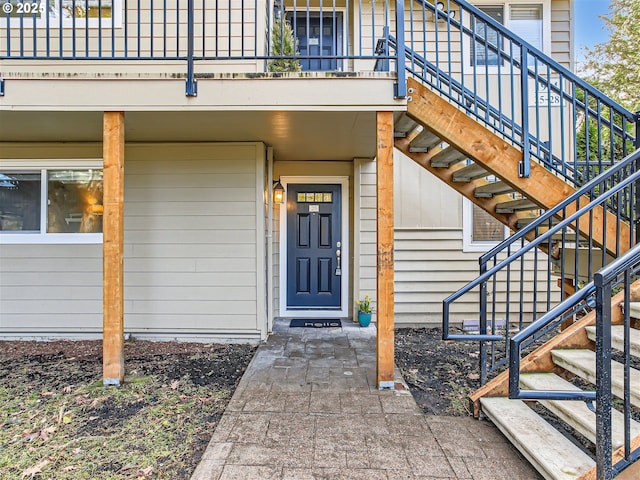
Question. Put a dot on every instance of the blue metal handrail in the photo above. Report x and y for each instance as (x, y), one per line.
(519, 67)
(616, 187)
(621, 271)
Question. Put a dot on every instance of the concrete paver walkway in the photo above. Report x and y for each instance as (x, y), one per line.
(308, 408)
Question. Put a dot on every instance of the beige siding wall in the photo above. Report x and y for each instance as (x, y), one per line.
(50, 289)
(430, 261)
(191, 252)
(561, 32)
(193, 265)
(365, 224)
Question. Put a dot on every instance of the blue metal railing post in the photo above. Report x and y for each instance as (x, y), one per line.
(636, 224)
(525, 166)
(192, 87)
(482, 324)
(603, 378)
(401, 79)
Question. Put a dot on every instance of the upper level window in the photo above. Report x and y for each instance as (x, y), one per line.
(50, 205)
(483, 54)
(524, 20)
(78, 13)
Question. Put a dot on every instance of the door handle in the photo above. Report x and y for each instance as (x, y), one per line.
(338, 258)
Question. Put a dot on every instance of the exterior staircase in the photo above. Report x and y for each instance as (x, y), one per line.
(483, 167)
(578, 210)
(468, 156)
(557, 436)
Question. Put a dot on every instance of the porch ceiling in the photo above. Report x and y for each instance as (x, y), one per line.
(294, 134)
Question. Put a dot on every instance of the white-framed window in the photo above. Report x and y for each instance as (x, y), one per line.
(480, 230)
(55, 203)
(531, 21)
(72, 13)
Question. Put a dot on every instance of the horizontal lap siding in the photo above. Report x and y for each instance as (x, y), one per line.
(367, 228)
(431, 265)
(190, 240)
(190, 253)
(561, 24)
(50, 288)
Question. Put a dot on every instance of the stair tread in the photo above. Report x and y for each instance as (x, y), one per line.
(617, 338)
(524, 221)
(470, 172)
(575, 412)
(424, 141)
(403, 126)
(491, 189)
(516, 205)
(447, 157)
(582, 362)
(634, 309)
(568, 236)
(550, 452)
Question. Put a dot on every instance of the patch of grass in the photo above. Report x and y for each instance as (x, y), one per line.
(154, 426)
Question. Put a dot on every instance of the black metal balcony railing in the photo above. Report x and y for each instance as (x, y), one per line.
(328, 35)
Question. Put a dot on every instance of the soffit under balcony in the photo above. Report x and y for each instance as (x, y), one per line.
(313, 117)
(294, 135)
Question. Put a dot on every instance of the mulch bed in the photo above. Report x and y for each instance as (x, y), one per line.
(441, 374)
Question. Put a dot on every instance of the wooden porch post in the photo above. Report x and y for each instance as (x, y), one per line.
(384, 229)
(113, 249)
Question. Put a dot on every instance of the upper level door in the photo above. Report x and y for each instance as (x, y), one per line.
(314, 246)
(319, 36)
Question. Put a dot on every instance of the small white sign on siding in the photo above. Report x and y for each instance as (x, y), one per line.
(541, 96)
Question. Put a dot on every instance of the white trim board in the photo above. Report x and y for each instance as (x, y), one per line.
(344, 288)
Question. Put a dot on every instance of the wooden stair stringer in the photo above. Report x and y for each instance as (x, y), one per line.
(539, 361)
(632, 472)
(501, 159)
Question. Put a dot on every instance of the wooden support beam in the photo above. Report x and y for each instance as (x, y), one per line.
(384, 228)
(113, 249)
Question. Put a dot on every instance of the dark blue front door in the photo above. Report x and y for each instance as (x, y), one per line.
(319, 36)
(314, 270)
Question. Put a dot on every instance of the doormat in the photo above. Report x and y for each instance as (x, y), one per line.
(316, 322)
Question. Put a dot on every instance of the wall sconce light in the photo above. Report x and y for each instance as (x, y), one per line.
(440, 6)
(278, 192)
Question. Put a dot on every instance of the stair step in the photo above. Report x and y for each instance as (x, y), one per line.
(634, 309)
(550, 452)
(447, 157)
(491, 189)
(617, 338)
(525, 221)
(519, 205)
(575, 413)
(469, 173)
(582, 362)
(569, 236)
(403, 126)
(424, 141)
